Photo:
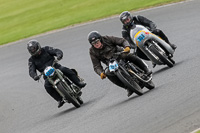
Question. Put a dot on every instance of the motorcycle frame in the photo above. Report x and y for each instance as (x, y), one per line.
(122, 64)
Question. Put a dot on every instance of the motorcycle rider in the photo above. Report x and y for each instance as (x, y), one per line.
(41, 57)
(102, 49)
(128, 21)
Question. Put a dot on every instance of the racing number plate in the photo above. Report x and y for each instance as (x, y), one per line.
(140, 37)
(113, 66)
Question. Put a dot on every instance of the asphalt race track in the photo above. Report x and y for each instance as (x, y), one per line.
(172, 107)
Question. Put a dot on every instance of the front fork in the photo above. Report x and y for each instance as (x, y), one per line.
(161, 50)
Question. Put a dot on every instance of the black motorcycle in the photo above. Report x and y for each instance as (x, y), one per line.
(133, 77)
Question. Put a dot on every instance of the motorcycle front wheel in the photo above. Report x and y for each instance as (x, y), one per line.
(80, 100)
(129, 82)
(69, 97)
(161, 56)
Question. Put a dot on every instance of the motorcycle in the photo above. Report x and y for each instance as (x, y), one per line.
(155, 48)
(129, 74)
(70, 92)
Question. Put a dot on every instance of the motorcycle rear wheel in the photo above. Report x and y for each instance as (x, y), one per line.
(69, 97)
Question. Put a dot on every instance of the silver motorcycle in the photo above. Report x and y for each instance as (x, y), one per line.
(155, 48)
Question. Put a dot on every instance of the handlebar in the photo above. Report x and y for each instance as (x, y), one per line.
(117, 54)
(114, 57)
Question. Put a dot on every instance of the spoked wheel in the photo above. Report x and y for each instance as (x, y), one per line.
(129, 82)
(69, 97)
(162, 56)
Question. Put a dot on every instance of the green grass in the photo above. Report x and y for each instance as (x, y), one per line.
(24, 18)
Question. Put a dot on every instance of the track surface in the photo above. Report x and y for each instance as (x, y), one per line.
(172, 107)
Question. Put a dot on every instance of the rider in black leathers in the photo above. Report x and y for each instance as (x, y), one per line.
(128, 21)
(43, 57)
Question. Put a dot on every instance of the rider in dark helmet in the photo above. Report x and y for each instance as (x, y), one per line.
(128, 21)
(34, 47)
(93, 38)
(43, 57)
(94, 35)
(126, 18)
(102, 49)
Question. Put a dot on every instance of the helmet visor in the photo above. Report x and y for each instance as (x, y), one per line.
(32, 50)
(95, 41)
(126, 20)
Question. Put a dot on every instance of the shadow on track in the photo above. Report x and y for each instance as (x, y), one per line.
(167, 68)
(62, 113)
(134, 97)
(69, 110)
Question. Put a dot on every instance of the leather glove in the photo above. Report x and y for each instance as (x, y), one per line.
(36, 78)
(152, 26)
(103, 76)
(127, 50)
(59, 57)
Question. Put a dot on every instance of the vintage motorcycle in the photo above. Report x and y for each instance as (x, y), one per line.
(70, 92)
(129, 74)
(155, 48)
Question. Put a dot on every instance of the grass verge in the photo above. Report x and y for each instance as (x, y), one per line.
(21, 19)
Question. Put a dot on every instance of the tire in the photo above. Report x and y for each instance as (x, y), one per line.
(161, 56)
(150, 85)
(70, 98)
(172, 60)
(80, 100)
(131, 84)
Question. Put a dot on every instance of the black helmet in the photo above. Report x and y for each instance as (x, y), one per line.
(34, 47)
(124, 15)
(93, 35)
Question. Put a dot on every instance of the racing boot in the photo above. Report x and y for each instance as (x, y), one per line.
(60, 103)
(81, 84)
(77, 81)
